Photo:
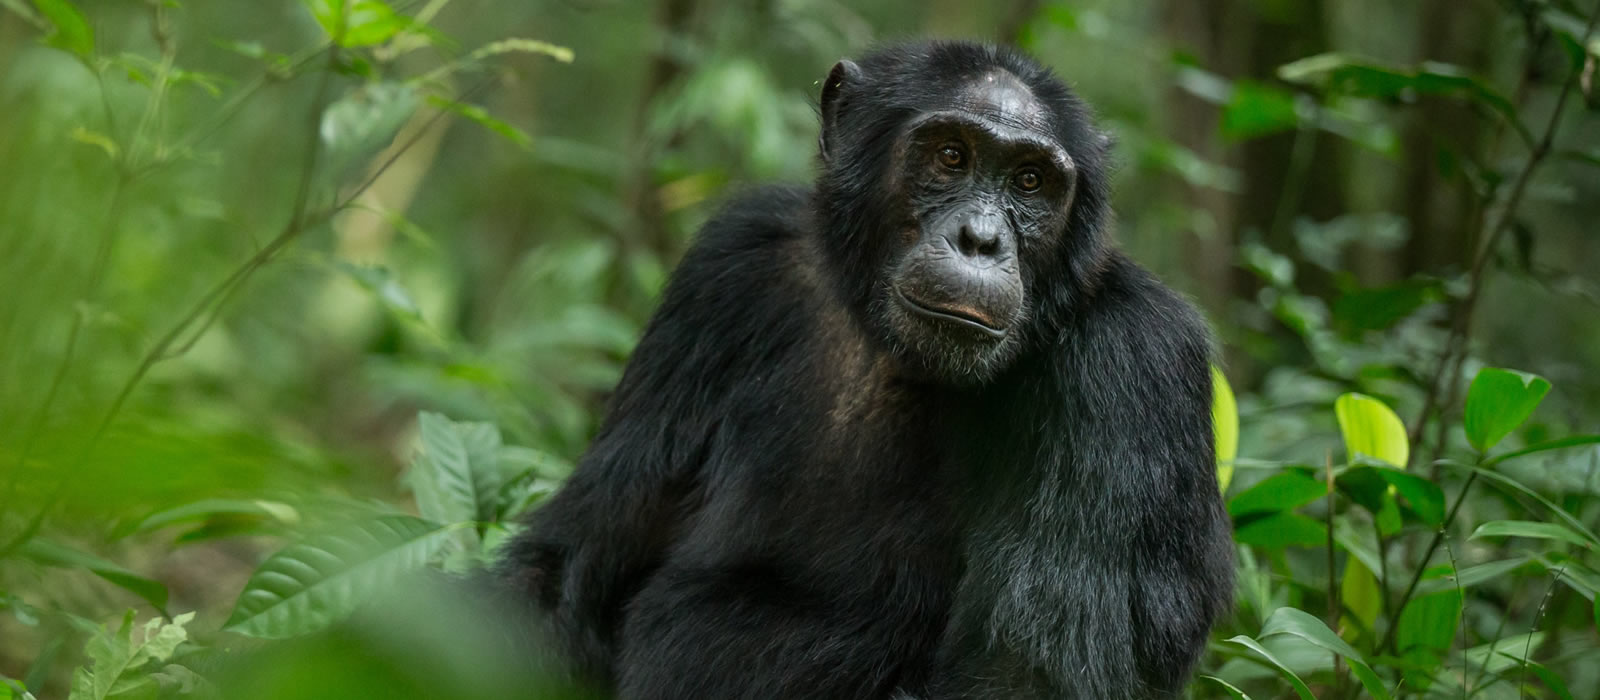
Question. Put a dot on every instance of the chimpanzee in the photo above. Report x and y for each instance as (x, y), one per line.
(916, 431)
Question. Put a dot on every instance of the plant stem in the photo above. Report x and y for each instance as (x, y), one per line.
(1422, 564)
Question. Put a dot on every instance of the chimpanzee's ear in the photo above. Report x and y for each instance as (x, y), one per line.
(844, 76)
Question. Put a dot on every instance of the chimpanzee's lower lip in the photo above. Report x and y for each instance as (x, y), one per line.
(949, 315)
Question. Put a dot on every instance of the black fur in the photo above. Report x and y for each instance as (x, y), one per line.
(788, 501)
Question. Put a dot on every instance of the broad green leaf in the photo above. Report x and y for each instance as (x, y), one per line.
(1301, 624)
(1498, 402)
(71, 32)
(54, 554)
(1359, 591)
(1281, 530)
(1288, 675)
(1561, 444)
(1283, 491)
(1374, 487)
(310, 585)
(1225, 425)
(1370, 428)
(456, 474)
(114, 657)
(1533, 529)
(1227, 687)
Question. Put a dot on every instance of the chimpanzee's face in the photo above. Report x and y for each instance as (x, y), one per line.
(986, 188)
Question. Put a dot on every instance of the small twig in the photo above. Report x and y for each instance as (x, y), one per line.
(1455, 574)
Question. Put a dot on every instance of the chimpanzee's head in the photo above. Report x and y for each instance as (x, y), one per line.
(962, 197)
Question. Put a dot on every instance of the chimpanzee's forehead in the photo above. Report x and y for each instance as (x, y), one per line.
(999, 96)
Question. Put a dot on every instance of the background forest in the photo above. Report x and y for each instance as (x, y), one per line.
(299, 296)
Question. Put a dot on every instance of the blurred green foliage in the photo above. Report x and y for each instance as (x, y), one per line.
(300, 298)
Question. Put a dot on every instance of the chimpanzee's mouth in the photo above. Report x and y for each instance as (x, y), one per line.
(962, 316)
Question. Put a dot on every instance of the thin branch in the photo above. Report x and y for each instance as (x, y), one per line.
(1422, 564)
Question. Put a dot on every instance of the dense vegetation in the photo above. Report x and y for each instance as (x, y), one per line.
(298, 297)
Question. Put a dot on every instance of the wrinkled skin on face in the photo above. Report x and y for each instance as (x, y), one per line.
(985, 185)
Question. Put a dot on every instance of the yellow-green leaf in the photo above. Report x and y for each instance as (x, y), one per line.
(1225, 424)
(1370, 428)
(1359, 591)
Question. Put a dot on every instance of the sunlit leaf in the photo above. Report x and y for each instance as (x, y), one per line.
(1358, 590)
(310, 585)
(1536, 530)
(1225, 424)
(214, 507)
(115, 656)
(1288, 675)
(1348, 75)
(357, 22)
(1370, 428)
(1301, 624)
(1498, 402)
(1283, 491)
(71, 32)
(1255, 109)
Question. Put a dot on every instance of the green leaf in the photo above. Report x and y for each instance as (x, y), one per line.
(365, 121)
(71, 32)
(456, 473)
(482, 117)
(1550, 679)
(1225, 426)
(1498, 402)
(1472, 575)
(115, 658)
(1281, 530)
(1370, 428)
(1255, 110)
(1597, 612)
(1358, 588)
(1227, 687)
(1347, 75)
(1374, 488)
(210, 508)
(1283, 491)
(1513, 484)
(1288, 675)
(1561, 444)
(1301, 624)
(1429, 622)
(51, 553)
(310, 585)
(378, 280)
(1536, 530)
(357, 22)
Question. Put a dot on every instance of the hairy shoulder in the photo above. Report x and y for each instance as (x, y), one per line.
(1136, 338)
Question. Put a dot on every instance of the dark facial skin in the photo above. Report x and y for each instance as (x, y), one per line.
(985, 185)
